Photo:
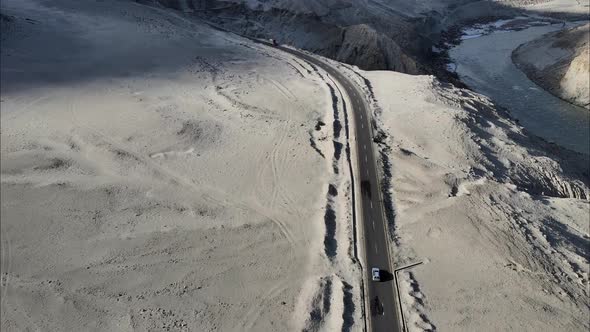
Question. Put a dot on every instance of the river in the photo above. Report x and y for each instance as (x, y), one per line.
(484, 63)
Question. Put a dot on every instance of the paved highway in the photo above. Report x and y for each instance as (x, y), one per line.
(372, 216)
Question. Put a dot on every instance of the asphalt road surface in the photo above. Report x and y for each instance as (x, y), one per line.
(373, 219)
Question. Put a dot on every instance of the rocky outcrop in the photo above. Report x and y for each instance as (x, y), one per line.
(366, 48)
(576, 81)
(357, 44)
(559, 62)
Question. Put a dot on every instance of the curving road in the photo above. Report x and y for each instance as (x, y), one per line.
(372, 212)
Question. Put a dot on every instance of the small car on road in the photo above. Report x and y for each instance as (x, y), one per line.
(376, 274)
(377, 307)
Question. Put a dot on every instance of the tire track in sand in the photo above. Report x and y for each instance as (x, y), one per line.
(255, 311)
(213, 195)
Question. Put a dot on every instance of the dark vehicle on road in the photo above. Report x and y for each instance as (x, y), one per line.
(273, 42)
(366, 188)
(377, 307)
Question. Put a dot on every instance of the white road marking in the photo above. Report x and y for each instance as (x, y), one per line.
(376, 250)
(371, 204)
(364, 146)
(373, 224)
(365, 158)
(361, 116)
(362, 125)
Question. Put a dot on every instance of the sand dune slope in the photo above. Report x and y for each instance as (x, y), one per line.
(156, 174)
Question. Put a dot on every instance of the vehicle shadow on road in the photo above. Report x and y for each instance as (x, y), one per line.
(385, 275)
